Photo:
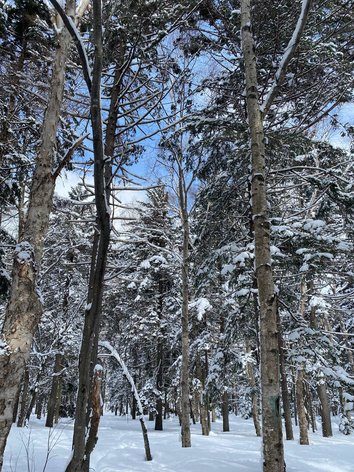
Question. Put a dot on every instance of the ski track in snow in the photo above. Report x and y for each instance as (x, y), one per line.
(120, 449)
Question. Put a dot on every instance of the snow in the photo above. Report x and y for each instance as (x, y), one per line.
(311, 225)
(4, 348)
(288, 54)
(202, 305)
(23, 252)
(120, 447)
(145, 264)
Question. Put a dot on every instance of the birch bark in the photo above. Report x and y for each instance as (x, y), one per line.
(273, 454)
(25, 308)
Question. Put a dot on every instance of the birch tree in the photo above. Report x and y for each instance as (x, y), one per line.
(25, 306)
(273, 453)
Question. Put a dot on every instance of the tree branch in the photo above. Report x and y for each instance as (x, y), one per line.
(287, 56)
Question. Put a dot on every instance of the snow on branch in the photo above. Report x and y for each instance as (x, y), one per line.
(287, 56)
(126, 373)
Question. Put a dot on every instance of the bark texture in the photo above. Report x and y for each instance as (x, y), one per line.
(95, 416)
(55, 390)
(254, 394)
(284, 384)
(185, 413)
(24, 400)
(273, 454)
(24, 308)
(225, 412)
(80, 458)
(300, 403)
(325, 409)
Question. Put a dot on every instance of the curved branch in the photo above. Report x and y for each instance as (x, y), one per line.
(287, 56)
(68, 22)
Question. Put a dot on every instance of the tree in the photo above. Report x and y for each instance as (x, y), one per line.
(273, 455)
(24, 308)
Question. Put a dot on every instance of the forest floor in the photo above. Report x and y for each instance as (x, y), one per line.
(120, 449)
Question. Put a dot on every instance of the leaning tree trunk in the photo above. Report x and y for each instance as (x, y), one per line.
(273, 454)
(24, 307)
(127, 375)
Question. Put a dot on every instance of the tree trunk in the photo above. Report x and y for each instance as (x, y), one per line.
(284, 384)
(58, 399)
(225, 412)
(31, 405)
(159, 386)
(95, 416)
(325, 409)
(88, 351)
(309, 409)
(54, 392)
(24, 307)
(38, 410)
(15, 409)
(254, 395)
(133, 408)
(300, 403)
(273, 454)
(24, 400)
(185, 424)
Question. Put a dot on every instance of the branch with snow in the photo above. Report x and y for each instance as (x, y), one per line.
(287, 56)
(114, 353)
(126, 373)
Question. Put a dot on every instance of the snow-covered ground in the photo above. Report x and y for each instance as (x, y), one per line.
(120, 449)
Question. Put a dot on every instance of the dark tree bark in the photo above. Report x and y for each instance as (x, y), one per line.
(39, 405)
(225, 412)
(95, 416)
(24, 400)
(80, 460)
(32, 404)
(55, 390)
(159, 385)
